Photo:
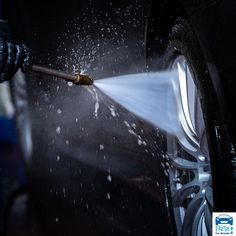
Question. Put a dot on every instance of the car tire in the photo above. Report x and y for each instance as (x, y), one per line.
(194, 199)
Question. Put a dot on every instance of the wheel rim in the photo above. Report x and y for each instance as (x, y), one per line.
(189, 171)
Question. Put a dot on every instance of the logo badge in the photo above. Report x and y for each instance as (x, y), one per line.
(224, 223)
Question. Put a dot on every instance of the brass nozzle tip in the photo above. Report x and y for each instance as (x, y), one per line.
(83, 80)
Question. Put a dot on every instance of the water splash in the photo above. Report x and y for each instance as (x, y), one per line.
(151, 96)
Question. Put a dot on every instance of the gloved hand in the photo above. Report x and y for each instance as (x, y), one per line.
(13, 54)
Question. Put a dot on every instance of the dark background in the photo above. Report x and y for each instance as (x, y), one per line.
(103, 183)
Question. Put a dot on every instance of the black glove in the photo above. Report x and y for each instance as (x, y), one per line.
(13, 55)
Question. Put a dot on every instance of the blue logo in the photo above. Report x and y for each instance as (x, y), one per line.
(224, 219)
(224, 224)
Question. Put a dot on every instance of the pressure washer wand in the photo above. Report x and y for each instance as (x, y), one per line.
(76, 79)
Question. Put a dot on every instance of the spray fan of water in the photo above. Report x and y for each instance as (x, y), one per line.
(151, 96)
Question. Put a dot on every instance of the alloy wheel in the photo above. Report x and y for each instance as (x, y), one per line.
(190, 170)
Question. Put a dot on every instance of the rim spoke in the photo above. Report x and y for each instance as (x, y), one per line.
(192, 98)
(183, 193)
(182, 70)
(183, 164)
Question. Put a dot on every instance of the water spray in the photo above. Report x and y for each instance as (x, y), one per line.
(77, 79)
(150, 96)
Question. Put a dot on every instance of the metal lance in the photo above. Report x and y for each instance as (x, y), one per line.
(76, 79)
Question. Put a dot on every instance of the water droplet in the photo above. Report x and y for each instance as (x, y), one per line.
(58, 130)
(109, 178)
(59, 111)
(108, 196)
(64, 192)
(201, 158)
